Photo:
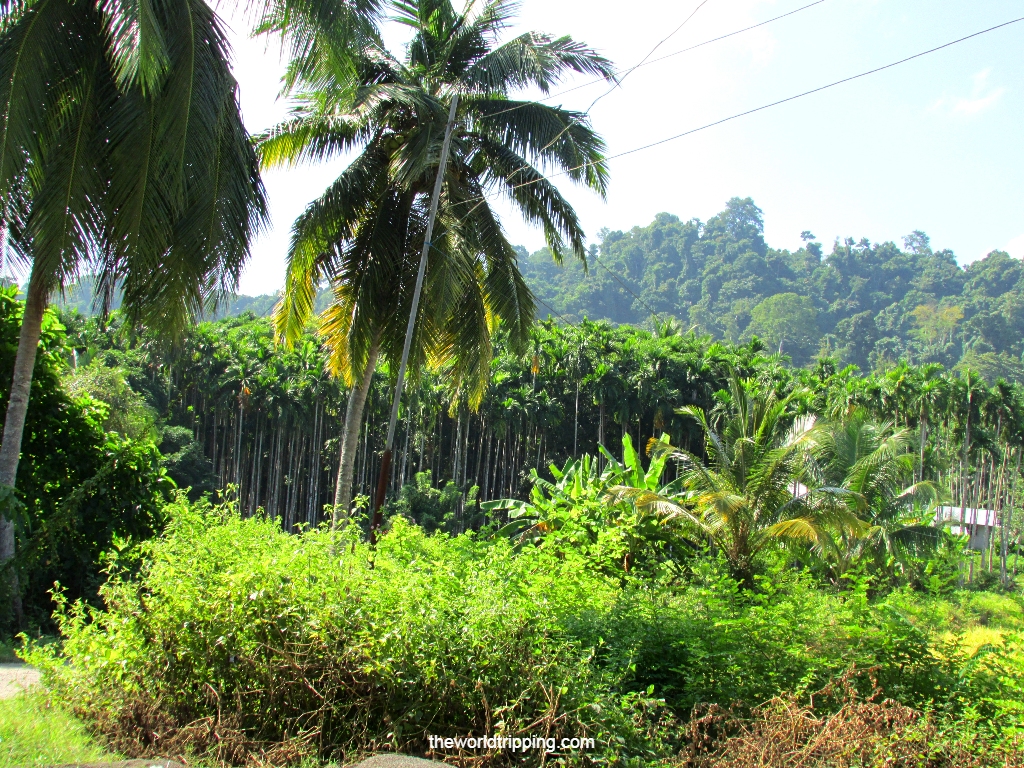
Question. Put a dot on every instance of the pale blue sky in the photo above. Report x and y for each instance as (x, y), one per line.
(934, 144)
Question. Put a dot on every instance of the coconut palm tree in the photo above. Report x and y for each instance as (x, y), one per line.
(364, 234)
(748, 495)
(122, 152)
(874, 463)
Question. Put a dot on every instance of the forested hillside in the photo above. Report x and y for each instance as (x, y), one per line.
(866, 303)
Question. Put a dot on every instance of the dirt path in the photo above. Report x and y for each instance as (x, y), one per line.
(14, 678)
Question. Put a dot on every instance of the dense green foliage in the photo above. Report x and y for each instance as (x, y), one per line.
(603, 593)
(266, 420)
(605, 601)
(81, 489)
(869, 304)
(230, 634)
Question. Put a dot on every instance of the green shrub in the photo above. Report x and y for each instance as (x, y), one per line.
(712, 642)
(231, 637)
(237, 637)
(434, 509)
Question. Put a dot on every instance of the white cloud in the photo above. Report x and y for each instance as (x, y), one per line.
(1015, 247)
(982, 97)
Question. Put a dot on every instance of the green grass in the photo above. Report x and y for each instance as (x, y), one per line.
(34, 732)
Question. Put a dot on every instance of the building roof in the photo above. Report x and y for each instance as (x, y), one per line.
(975, 517)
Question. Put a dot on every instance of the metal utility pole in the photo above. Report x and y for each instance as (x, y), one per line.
(385, 464)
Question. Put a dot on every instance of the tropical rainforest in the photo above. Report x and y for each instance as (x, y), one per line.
(865, 304)
(672, 498)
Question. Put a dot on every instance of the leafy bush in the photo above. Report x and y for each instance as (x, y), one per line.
(435, 509)
(237, 637)
(127, 412)
(185, 462)
(80, 489)
(232, 637)
(712, 642)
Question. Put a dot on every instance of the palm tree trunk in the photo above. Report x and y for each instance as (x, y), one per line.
(1003, 540)
(488, 445)
(576, 420)
(14, 422)
(350, 438)
(479, 454)
(405, 452)
(924, 439)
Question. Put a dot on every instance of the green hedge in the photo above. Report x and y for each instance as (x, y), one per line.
(229, 636)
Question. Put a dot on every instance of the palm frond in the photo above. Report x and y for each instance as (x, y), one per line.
(535, 59)
(318, 234)
(538, 199)
(316, 138)
(557, 137)
(137, 44)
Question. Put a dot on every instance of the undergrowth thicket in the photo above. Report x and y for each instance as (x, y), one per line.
(229, 638)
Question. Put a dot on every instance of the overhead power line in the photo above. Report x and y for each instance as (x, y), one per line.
(650, 53)
(597, 80)
(720, 37)
(761, 108)
(643, 62)
(801, 95)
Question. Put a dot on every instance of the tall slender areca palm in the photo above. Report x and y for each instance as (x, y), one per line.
(122, 152)
(364, 234)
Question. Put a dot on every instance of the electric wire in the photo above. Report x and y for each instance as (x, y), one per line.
(754, 110)
(650, 53)
(576, 121)
(801, 95)
(598, 80)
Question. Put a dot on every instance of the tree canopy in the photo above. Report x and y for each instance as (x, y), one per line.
(869, 304)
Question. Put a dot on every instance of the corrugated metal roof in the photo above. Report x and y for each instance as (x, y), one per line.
(975, 517)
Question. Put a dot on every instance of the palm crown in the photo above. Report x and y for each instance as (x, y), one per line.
(365, 232)
(748, 496)
(122, 150)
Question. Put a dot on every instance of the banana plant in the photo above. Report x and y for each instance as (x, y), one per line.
(572, 509)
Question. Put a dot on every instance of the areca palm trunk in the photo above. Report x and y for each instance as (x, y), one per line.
(14, 421)
(1003, 539)
(924, 439)
(350, 437)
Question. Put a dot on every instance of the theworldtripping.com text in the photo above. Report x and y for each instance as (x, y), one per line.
(512, 743)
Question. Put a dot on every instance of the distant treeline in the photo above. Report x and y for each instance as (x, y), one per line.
(869, 304)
